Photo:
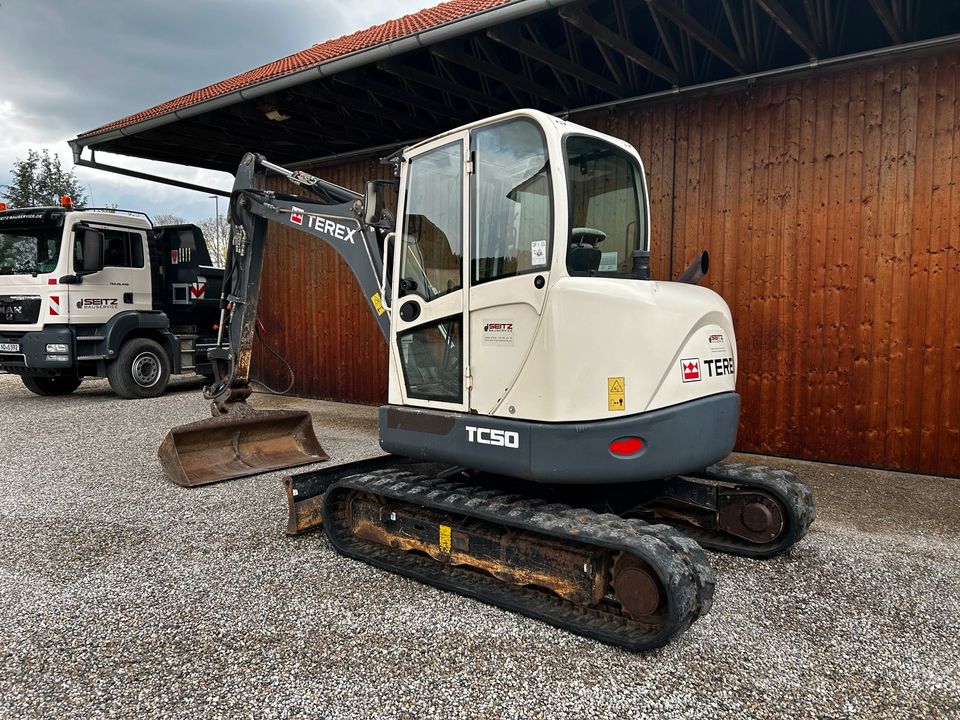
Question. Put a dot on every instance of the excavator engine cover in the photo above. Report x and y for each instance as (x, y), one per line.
(237, 444)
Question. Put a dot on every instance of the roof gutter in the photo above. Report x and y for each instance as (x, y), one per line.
(377, 53)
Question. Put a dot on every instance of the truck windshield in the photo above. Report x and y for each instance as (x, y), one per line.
(606, 207)
(29, 251)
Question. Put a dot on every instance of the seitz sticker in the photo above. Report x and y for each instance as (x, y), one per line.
(498, 332)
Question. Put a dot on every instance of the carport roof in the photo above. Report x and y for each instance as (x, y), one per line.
(466, 59)
(313, 57)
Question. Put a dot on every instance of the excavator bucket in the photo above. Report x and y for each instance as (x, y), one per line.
(237, 444)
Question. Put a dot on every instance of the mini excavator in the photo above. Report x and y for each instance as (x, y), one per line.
(555, 418)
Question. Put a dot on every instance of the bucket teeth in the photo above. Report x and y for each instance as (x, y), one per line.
(236, 445)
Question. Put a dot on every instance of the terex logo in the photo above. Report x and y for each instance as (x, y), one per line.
(324, 225)
(296, 215)
(490, 436)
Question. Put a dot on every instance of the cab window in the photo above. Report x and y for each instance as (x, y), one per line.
(512, 201)
(121, 249)
(431, 261)
(606, 207)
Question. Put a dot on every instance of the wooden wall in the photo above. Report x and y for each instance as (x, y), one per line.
(314, 314)
(831, 209)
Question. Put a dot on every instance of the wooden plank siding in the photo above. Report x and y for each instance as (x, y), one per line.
(830, 205)
(313, 313)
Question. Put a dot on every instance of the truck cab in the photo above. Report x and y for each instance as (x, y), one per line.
(103, 293)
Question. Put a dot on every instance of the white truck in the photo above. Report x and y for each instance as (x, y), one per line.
(103, 293)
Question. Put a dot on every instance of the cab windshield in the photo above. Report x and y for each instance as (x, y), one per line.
(606, 208)
(29, 251)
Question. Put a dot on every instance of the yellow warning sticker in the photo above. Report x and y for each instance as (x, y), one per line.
(616, 394)
(445, 538)
(377, 303)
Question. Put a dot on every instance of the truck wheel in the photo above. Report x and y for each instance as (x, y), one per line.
(141, 369)
(47, 386)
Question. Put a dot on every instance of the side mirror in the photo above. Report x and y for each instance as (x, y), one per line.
(88, 251)
(372, 202)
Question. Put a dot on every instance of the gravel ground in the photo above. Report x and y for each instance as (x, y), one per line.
(123, 595)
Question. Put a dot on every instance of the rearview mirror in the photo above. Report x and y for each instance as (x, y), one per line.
(88, 250)
(372, 202)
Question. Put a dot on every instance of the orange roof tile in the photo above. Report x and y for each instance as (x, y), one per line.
(316, 55)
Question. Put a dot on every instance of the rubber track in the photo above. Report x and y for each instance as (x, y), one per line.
(681, 564)
(795, 497)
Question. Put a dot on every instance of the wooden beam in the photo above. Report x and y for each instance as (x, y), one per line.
(444, 85)
(883, 12)
(508, 78)
(603, 34)
(697, 31)
(669, 46)
(734, 29)
(512, 38)
(394, 95)
(790, 26)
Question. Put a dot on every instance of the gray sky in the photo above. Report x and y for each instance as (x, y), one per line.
(68, 66)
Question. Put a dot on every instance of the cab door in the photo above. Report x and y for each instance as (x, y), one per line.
(112, 290)
(429, 338)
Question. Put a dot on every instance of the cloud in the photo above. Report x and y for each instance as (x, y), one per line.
(75, 65)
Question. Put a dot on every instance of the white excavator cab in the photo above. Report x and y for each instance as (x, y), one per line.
(521, 294)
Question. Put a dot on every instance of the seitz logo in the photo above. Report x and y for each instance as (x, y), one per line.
(489, 436)
(498, 326)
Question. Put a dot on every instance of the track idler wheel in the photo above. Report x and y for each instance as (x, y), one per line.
(638, 589)
(751, 516)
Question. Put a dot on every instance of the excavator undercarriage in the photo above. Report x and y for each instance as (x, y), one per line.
(616, 566)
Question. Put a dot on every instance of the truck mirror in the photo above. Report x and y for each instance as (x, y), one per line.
(372, 202)
(88, 251)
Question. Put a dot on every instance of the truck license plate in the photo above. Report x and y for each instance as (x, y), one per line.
(9, 347)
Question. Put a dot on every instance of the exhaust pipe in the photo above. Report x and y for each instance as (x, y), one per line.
(695, 270)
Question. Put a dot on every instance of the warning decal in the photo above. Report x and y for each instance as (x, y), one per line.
(198, 290)
(377, 303)
(616, 393)
(445, 538)
(54, 304)
(538, 253)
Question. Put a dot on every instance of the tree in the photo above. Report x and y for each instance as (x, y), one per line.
(40, 180)
(216, 231)
(168, 219)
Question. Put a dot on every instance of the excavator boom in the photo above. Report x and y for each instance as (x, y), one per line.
(239, 440)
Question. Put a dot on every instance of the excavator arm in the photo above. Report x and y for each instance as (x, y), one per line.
(240, 440)
(335, 216)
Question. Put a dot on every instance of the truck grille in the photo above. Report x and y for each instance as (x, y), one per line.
(19, 309)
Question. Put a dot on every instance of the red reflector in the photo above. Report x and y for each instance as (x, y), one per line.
(51, 281)
(626, 446)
